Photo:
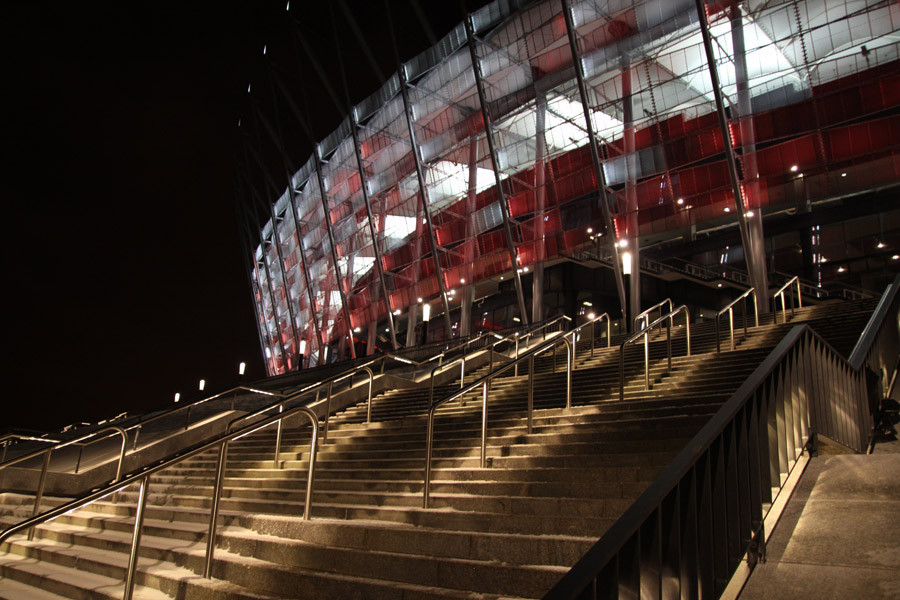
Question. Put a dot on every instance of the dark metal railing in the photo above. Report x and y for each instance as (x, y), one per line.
(707, 516)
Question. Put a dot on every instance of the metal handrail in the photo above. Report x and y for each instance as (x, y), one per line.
(143, 477)
(669, 319)
(5, 440)
(484, 382)
(780, 292)
(592, 323)
(658, 305)
(730, 310)
(187, 421)
(45, 466)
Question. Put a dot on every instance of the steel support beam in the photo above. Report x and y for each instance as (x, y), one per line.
(631, 202)
(354, 124)
(750, 253)
(540, 199)
(595, 158)
(501, 196)
(426, 210)
(334, 259)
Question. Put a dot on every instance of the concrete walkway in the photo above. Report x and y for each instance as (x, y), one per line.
(839, 536)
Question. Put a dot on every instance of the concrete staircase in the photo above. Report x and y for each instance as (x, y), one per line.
(510, 530)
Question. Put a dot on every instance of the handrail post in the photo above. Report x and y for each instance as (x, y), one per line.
(622, 373)
(214, 508)
(136, 538)
(371, 384)
(570, 365)
(593, 334)
(668, 346)
(137, 432)
(78, 460)
(530, 393)
(608, 332)
(731, 326)
(718, 343)
(744, 315)
(687, 328)
(516, 368)
(647, 358)
(40, 489)
(462, 372)
(187, 417)
(429, 442)
(756, 308)
(278, 439)
(327, 410)
(311, 470)
(484, 420)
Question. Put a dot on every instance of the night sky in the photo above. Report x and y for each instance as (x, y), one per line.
(124, 280)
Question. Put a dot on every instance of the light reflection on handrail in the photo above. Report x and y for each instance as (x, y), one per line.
(730, 310)
(6, 439)
(645, 315)
(645, 332)
(780, 292)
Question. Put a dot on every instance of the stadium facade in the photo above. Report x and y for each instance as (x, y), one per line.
(536, 132)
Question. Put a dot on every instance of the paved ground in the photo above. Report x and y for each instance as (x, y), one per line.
(839, 537)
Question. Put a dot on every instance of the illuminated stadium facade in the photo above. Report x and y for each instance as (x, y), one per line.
(474, 169)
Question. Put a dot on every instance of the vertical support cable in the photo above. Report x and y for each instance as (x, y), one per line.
(354, 124)
(595, 158)
(292, 195)
(334, 258)
(501, 196)
(423, 198)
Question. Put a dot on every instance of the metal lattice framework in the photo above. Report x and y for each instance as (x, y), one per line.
(454, 174)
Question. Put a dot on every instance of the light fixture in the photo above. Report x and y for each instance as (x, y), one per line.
(525, 269)
(590, 230)
(397, 312)
(420, 299)
(516, 319)
(799, 174)
(302, 346)
(794, 168)
(750, 214)
(843, 174)
(591, 316)
(202, 384)
(727, 209)
(462, 280)
(586, 303)
(626, 263)
(623, 243)
(718, 285)
(177, 396)
(895, 257)
(880, 245)
(680, 201)
(242, 368)
(356, 330)
(841, 269)
(426, 312)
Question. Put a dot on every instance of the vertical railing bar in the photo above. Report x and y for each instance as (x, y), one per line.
(136, 539)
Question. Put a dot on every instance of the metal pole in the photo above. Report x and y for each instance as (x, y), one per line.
(278, 438)
(570, 362)
(334, 258)
(423, 198)
(731, 326)
(40, 489)
(484, 420)
(214, 509)
(369, 403)
(327, 410)
(530, 393)
(136, 538)
(354, 124)
(311, 471)
(729, 150)
(501, 196)
(595, 158)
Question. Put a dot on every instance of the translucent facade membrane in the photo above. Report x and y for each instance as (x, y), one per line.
(410, 184)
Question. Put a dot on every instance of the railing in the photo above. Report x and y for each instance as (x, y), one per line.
(592, 323)
(46, 452)
(658, 306)
(138, 427)
(668, 318)
(6, 439)
(706, 517)
(142, 477)
(484, 383)
(793, 281)
(730, 310)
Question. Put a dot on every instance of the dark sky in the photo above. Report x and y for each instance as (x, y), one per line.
(121, 249)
